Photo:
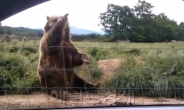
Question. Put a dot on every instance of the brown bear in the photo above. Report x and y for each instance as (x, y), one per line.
(58, 58)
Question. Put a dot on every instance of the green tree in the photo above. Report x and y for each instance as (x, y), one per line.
(117, 21)
(139, 24)
(143, 24)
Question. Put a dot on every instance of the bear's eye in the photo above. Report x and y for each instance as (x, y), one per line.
(55, 20)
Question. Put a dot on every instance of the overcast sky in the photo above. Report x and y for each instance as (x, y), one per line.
(84, 13)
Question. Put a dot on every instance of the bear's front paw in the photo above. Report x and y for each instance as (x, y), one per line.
(85, 59)
(59, 20)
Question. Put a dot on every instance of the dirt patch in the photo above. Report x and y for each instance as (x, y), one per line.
(40, 100)
(109, 66)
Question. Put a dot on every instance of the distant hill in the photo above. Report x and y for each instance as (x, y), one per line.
(75, 30)
(38, 32)
(78, 31)
(22, 31)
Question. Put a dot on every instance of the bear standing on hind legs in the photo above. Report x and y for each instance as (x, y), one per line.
(58, 58)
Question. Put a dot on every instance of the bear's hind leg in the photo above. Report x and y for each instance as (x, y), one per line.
(80, 84)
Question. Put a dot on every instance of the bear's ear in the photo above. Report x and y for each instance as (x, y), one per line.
(47, 17)
(66, 15)
(65, 18)
(66, 28)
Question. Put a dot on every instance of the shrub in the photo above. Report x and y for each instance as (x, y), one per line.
(95, 73)
(13, 49)
(28, 50)
(94, 51)
(97, 53)
(134, 51)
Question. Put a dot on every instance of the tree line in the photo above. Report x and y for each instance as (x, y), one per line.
(139, 24)
(21, 31)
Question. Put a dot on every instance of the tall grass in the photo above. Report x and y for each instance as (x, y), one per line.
(161, 75)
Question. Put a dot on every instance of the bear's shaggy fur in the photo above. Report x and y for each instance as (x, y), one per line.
(58, 58)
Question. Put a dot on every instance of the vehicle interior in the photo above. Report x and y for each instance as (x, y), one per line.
(126, 64)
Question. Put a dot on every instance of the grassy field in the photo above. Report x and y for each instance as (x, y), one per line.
(155, 69)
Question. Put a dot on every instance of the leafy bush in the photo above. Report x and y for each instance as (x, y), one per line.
(134, 51)
(28, 50)
(127, 51)
(13, 49)
(95, 73)
(98, 54)
(93, 52)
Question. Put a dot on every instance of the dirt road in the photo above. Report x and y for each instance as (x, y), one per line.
(40, 100)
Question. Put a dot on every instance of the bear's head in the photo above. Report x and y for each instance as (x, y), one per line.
(61, 25)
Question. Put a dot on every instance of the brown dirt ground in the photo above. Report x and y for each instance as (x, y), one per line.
(40, 100)
(109, 66)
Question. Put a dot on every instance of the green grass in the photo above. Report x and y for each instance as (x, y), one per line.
(161, 75)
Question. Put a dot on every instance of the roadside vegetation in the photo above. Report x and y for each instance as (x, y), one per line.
(154, 69)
